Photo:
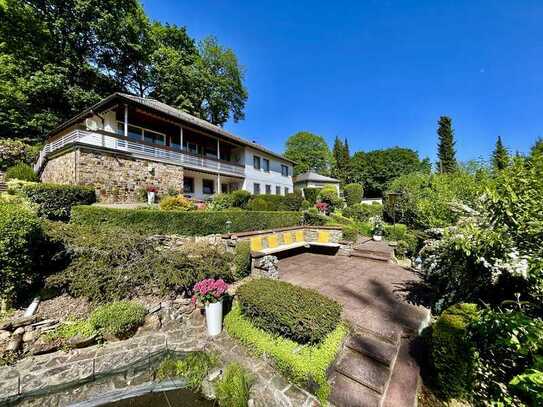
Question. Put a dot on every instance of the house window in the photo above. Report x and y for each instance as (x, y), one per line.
(268, 189)
(256, 162)
(188, 185)
(192, 148)
(266, 164)
(153, 138)
(277, 190)
(284, 170)
(224, 188)
(286, 190)
(208, 186)
(175, 142)
(256, 189)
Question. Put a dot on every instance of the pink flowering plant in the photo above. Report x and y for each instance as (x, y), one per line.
(322, 207)
(209, 290)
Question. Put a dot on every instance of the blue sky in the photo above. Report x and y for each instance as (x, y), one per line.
(381, 72)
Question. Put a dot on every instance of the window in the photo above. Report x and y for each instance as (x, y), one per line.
(175, 141)
(153, 138)
(192, 148)
(266, 165)
(188, 185)
(256, 189)
(286, 190)
(208, 186)
(256, 162)
(136, 133)
(277, 190)
(268, 189)
(284, 170)
(224, 188)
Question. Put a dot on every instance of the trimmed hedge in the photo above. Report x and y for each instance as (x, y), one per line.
(293, 312)
(55, 201)
(149, 221)
(453, 354)
(311, 194)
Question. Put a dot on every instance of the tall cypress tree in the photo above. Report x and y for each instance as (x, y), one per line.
(341, 160)
(446, 154)
(500, 156)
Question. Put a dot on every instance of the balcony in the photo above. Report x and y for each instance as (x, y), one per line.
(141, 150)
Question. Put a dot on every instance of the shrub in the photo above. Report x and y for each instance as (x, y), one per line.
(120, 318)
(292, 201)
(176, 203)
(407, 241)
(21, 171)
(350, 233)
(55, 201)
(150, 221)
(16, 151)
(329, 195)
(363, 212)
(19, 236)
(234, 387)
(240, 198)
(242, 260)
(267, 203)
(305, 366)
(311, 195)
(313, 217)
(221, 202)
(353, 194)
(69, 329)
(293, 312)
(193, 368)
(453, 354)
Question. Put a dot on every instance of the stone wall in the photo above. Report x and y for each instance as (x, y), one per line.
(116, 177)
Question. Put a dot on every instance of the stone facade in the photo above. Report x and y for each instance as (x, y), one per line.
(116, 177)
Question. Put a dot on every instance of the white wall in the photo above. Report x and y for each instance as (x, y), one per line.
(273, 178)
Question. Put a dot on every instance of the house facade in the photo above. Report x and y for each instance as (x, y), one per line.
(124, 144)
(311, 179)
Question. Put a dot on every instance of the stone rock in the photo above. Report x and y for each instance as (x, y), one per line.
(23, 321)
(82, 341)
(40, 347)
(29, 336)
(214, 374)
(4, 335)
(15, 343)
(19, 331)
(208, 390)
(152, 323)
(182, 301)
(45, 323)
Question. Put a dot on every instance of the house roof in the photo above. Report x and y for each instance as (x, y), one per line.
(169, 111)
(313, 176)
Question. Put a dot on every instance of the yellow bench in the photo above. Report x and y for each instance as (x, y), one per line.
(273, 245)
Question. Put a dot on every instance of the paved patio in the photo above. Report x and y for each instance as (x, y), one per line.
(370, 291)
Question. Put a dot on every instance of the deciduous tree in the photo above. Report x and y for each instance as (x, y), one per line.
(310, 153)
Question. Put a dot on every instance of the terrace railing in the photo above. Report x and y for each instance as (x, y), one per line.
(118, 143)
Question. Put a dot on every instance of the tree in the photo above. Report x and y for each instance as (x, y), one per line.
(500, 156)
(537, 149)
(310, 153)
(446, 153)
(341, 160)
(376, 169)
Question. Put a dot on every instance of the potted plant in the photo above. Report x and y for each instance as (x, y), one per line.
(211, 293)
(378, 229)
(151, 194)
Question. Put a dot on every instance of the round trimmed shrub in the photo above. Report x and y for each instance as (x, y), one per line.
(21, 171)
(329, 195)
(293, 312)
(353, 194)
(240, 198)
(176, 203)
(292, 201)
(119, 318)
(221, 202)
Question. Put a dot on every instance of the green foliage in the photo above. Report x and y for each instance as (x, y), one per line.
(341, 161)
(350, 232)
(377, 169)
(305, 366)
(220, 202)
(106, 263)
(15, 151)
(311, 195)
(313, 217)
(453, 354)
(240, 198)
(353, 194)
(21, 171)
(55, 201)
(500, 156)
(19, 235)
(176, 203)
(445, 149)
(363, 212)
(233, 389)
(195, 223)
(529, 385)
(193, 368)
(70, 329)
(292, 201)
(293, 312)
(242, 260)
(329, 195)
(407, 241)
(120, 318)
(265, 203)
(309, 151)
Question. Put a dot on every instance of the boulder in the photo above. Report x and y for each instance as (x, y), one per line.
(29, 336)
(4, 335)
(15, 343)
(82, 341)
(19, 331)
(40, 347)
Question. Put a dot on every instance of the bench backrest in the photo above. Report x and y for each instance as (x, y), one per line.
(323, 236)
(256, 243)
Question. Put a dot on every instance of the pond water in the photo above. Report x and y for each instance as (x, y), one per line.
(170, 398)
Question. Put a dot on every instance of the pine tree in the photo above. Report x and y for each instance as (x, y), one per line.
(446, 154)
(341, 160)
(500, 156)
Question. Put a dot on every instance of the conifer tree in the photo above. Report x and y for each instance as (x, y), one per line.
(446, 153)
(500, 156)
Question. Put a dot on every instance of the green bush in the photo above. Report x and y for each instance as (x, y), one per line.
(313, 217)
(16, 151)
(304, 365)
(363, 212)
(242, 260)
(19, 236)
(69, 329)
(193, 368)
(329, 195)
(23, 172)
(270, 203)
(196, 223)
(55, 201)
(240, 198)
(110, 263)
(353, 194)
(292, 201)
(350, 233)
(453, 354)
(220, 202)
(176, 203)
(293, 312)
(233, 389)
(407, 240)
(120, 318)
(311, 195)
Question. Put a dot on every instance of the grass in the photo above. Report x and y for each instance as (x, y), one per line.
(71, 328)
(193, 368)
(304, 365)
(233, 390)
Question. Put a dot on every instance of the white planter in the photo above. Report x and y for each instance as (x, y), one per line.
(214, 318)
(150, 198)
(377, 238)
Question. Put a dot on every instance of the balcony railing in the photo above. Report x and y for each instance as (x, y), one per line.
(114, 142)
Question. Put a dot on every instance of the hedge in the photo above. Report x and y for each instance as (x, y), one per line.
(353, 194)
(195, 223)
(23, 172)
(303, 365)
(296, 313)
(55, 201)
(311, 194)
